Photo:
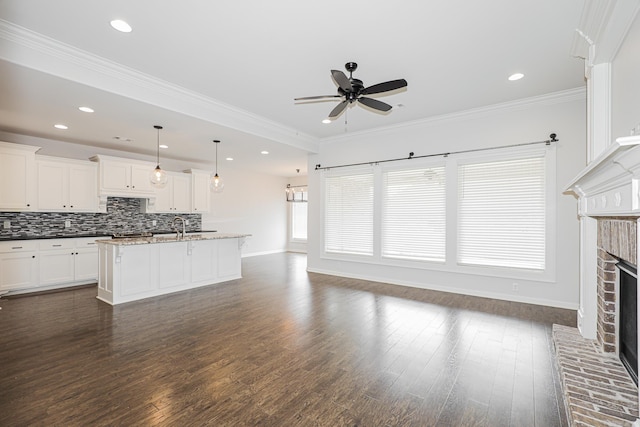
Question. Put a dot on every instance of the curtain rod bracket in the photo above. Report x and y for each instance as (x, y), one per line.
(411, 155)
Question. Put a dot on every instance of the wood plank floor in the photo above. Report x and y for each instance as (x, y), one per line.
(280, 347)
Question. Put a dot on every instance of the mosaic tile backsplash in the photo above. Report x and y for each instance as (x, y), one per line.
(123, 216)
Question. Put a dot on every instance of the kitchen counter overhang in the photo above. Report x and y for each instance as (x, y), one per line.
(131, 269)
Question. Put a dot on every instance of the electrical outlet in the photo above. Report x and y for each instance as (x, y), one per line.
(7, 224)
(515, 287)
(154, 222)
(67, 223)
(186, 222)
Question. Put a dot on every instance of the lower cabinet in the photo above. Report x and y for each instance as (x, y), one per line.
(26, 265)
(18, 265)
(132, 272)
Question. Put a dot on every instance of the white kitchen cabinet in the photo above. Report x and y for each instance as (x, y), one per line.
(229, 259)
(56, 261)
(173, 267)
(204, 260)
(175, 197)
(124, 177)
(200, 192)
(17, 177)
(18, 265)
(66, 185)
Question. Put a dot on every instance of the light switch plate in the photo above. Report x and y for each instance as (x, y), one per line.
(154, 222)
(67, 223)
(6, 224)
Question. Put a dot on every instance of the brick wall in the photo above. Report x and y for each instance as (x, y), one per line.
(616, 240)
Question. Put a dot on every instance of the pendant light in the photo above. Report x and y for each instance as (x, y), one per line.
(158, 177)
(216, 185)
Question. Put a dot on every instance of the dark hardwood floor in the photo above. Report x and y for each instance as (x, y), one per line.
(280, 347)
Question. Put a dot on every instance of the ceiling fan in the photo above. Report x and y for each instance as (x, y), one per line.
(352, 90)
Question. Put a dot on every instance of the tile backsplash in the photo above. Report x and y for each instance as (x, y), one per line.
(123, 215)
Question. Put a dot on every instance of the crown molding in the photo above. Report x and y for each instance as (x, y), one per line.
(560, 97)
(602, 28)
(27, 48)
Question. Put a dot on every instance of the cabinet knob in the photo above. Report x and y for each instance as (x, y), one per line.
(127, 186)
(64, 206)
(133, 186)
(71, 206)
(33, 256)
(28, 205)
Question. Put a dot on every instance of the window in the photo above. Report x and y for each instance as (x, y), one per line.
(501, 213)
(348, 216)
(413, 214)
(299, 220)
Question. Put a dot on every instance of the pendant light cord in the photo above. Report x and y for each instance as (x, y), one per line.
(158, 144)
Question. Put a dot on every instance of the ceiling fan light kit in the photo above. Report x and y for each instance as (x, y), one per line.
(352, 90)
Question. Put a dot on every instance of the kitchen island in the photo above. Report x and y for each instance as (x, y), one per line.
(138, 268)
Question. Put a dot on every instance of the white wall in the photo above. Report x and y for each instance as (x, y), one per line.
(294, 246)
(251, 203)
(625, 88)
(514, 123)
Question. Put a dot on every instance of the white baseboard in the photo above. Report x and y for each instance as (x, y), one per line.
(470, 292)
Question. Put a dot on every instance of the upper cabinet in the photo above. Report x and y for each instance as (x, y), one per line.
(175, 197)
(123, 177)
(17, 172)
(200, 193)
(66, 185)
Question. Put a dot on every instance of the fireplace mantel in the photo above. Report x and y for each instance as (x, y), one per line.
(610, 185)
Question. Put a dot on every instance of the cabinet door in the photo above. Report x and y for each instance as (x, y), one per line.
(140, 182)
(16, 180)
(181, 193)
(173, 267)
(115, 176)
(18, 270)
(83, 188)
(86, 264)
(200, 193)
(56, 266)
(52, 186)
(229, 263)
(163, 198)
(204, 257)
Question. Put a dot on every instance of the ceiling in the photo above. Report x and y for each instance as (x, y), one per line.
(230, 70)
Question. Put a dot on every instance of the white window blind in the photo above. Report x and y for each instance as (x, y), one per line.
(348, 216)
(413, 214)
(299, 220)
(501, 213)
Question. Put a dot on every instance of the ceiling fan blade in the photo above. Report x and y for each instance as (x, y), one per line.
(341, 79)
(385, 87)
(309, 98)
(338, 109)
(375, 104)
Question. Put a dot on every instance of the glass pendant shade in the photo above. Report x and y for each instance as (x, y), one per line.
(158, 177)
(216, 185)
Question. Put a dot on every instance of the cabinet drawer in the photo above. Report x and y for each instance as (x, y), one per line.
(49, 244)
(18, 246)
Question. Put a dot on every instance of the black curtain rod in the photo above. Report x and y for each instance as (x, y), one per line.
(552, 138)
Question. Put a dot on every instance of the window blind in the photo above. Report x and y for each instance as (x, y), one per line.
(299, 220)
(348, 216)
(413, 214)
(501, 213)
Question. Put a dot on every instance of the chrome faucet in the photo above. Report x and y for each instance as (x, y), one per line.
(173, 225)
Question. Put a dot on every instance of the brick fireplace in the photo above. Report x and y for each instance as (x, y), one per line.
(616, 241)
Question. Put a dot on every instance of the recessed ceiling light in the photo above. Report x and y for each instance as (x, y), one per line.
(516, 76)
(164, 146)
(86, 109)
(325, 121)
(121, 25)
(60, 126)
(264, 152)
(229, 158)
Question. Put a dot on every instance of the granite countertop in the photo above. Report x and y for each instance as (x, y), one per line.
(72, 235)
(171, 239)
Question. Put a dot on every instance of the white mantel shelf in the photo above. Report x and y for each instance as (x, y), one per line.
(609, 185)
